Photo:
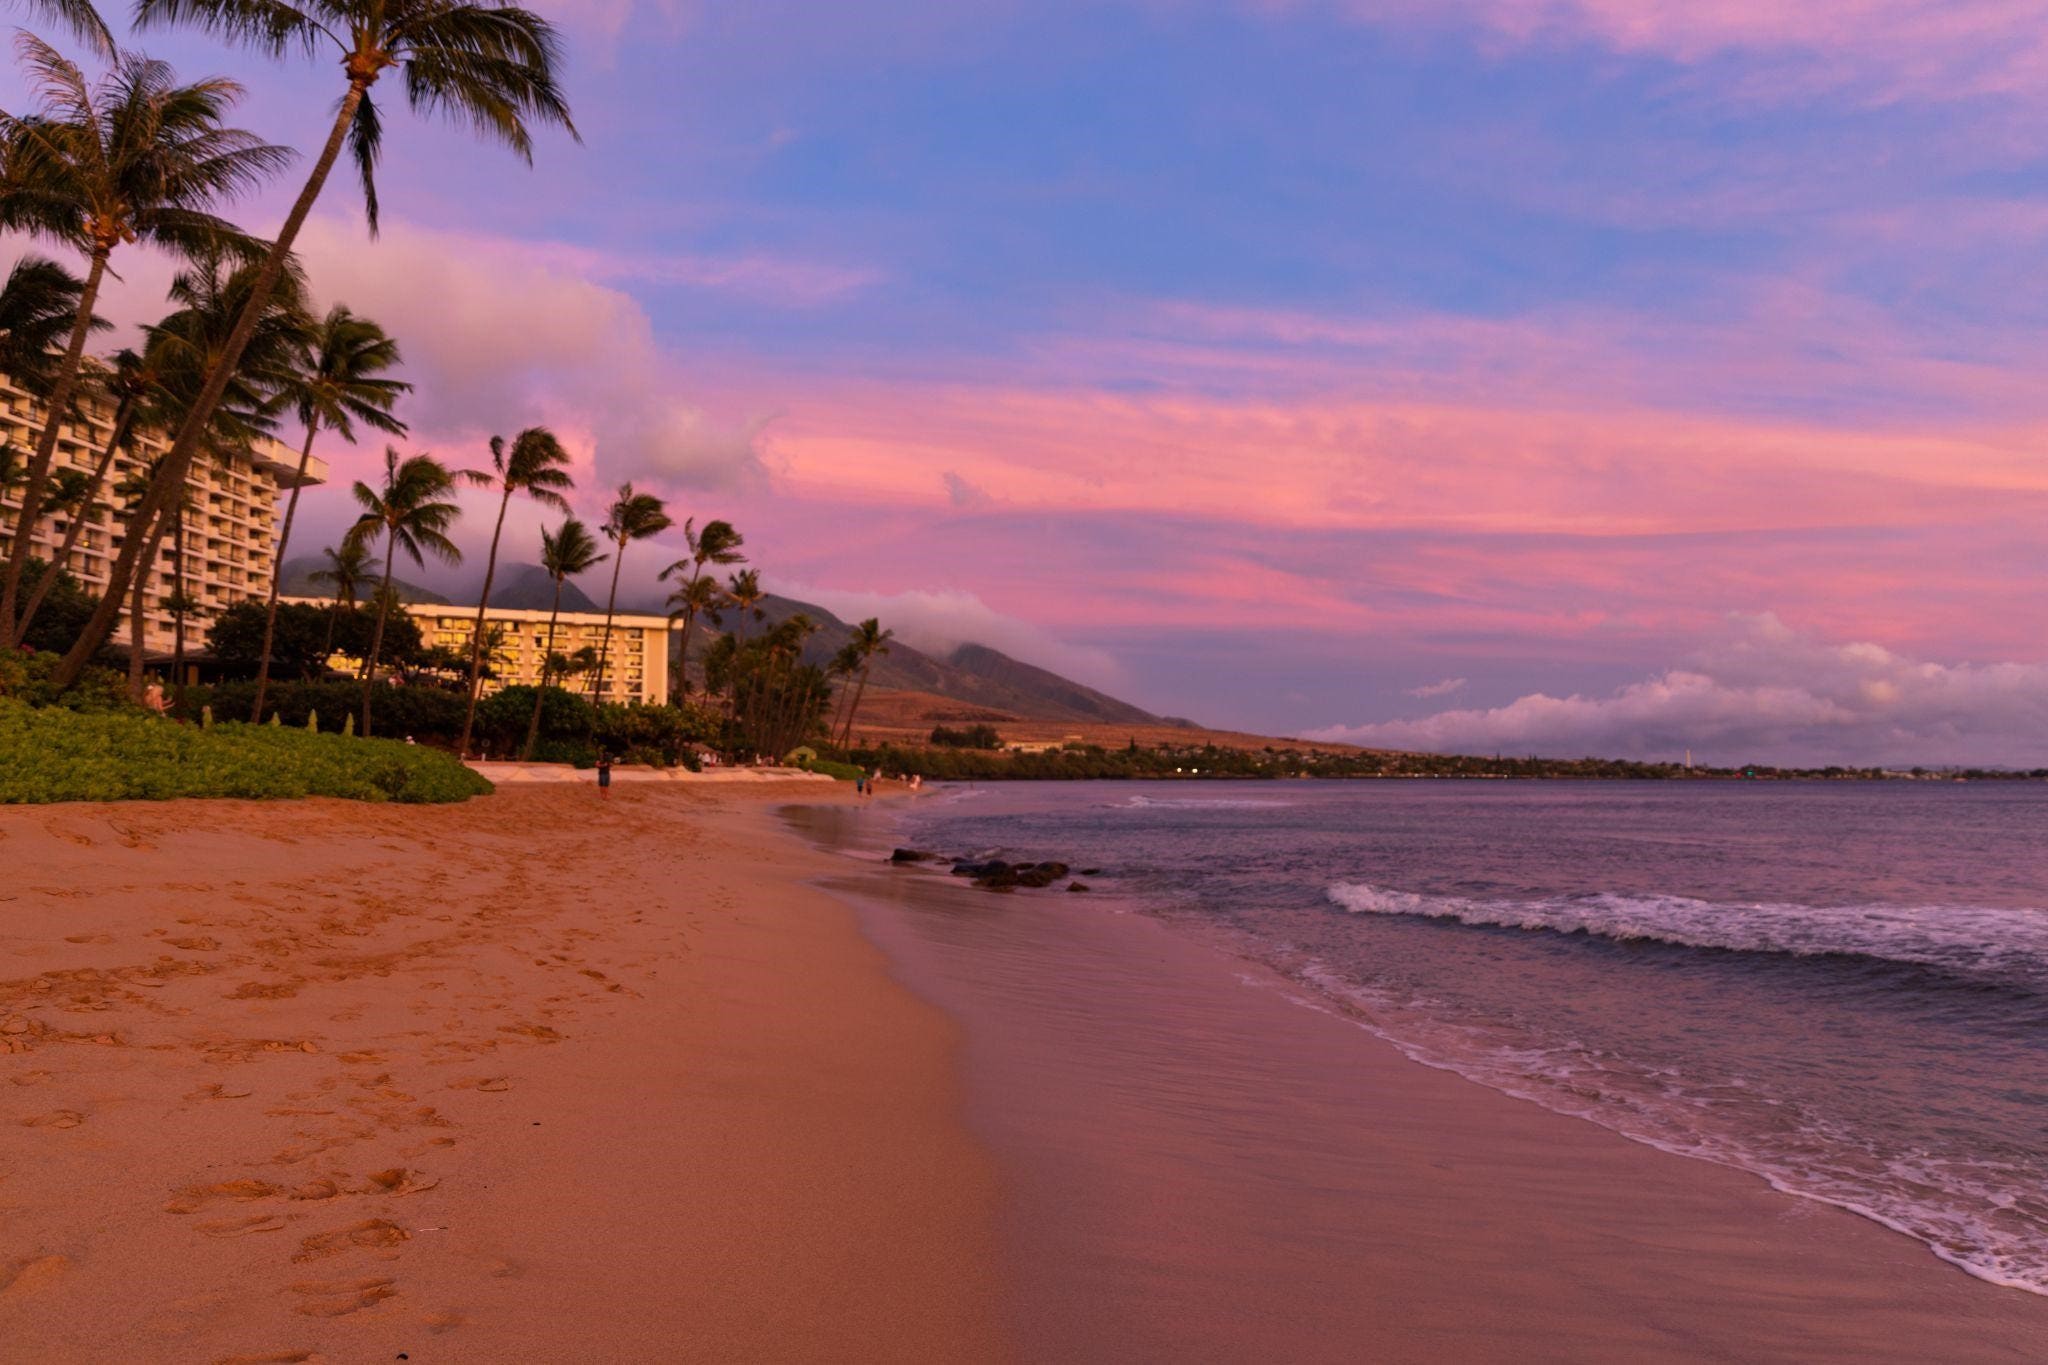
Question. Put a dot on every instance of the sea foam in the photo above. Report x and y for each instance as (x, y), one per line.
(2005, 946)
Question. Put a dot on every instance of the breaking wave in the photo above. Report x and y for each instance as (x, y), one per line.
(2001, 946)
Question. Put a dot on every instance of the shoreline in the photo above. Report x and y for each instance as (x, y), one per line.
(1115, 1063)
(531, 1077)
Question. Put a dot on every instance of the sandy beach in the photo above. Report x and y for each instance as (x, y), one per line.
(530, 1078)
(539, 1078)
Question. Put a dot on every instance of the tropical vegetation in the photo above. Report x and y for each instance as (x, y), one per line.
(136, 155)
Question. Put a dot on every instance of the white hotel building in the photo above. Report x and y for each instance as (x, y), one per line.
(230, 525)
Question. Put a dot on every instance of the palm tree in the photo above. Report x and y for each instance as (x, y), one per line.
(349, 566)
(869, 639)
(743, 591)
(633, 516)
(718, 543)
(131, 381)
(130, 490)
(413, 511)
(701, 596)
(532, 465)
(337, 381)
(486, 63)
(564, 554)
(844, 665)
(38, 310)
(135, 157)
(81, 18)
(184, 346)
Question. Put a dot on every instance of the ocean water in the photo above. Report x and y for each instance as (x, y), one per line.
(1842, 988)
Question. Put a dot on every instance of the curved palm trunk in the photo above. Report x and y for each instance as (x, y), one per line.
(683, 656)
(186, 445)
(377, 635)
(37, 488)
(179, 606)
(152, 536)
(844, 695)
(476, 636)
(333, 619)
(604, 652)
(547, 654)
(122, 419)
(135, 641)
(284, 537)
(854, 710)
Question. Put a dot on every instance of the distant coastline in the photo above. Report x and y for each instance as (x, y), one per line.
(1167, 761)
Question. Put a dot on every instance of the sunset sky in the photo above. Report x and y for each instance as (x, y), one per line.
(1563, 376)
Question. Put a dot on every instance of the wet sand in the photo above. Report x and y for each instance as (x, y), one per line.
(526, 1079)
(1200, 1167)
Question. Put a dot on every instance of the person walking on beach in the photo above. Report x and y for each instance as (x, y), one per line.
(604, 776)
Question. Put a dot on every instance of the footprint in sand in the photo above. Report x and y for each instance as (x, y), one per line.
(28, 1276)
(56, 1118)
(372, 1234)
(196, 1197)
(242, 1227)
(397, 1180)
(274, 1358)
(219, 1091)
(337, 1298)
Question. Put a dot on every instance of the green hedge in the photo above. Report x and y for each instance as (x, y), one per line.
(55, 755)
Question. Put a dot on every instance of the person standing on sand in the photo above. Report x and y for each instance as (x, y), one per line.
(604, 776)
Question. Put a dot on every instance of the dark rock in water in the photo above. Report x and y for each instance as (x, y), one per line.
(991, 868)
(1040, 874)
(1090, 872)
(1077, 886)
(910, 855)
(1005, 880)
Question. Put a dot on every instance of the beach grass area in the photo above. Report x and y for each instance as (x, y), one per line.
(51, 754)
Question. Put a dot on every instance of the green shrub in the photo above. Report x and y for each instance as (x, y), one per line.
(973, 737)
(845, 772)
(502, 718)
(25, 676)
(580, 753)
(49, 754)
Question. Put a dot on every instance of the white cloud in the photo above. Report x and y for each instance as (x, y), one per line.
(938, 621)
(1437, 689)
(1765, 693)
(499, 334)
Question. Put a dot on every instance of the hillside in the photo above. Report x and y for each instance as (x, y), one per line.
(527, 587)
(989, 684)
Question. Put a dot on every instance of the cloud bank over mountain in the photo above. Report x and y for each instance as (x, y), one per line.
(938, 621)
(1764, 692)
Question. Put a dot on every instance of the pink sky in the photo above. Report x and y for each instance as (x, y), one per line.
(1273, 361)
